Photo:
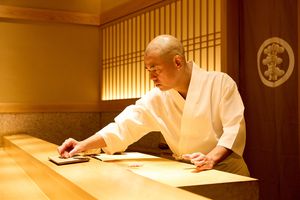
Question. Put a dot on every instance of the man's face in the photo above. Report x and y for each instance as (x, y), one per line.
(162, 71)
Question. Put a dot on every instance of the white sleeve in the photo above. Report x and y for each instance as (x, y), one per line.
(129, 126)
(232, 117)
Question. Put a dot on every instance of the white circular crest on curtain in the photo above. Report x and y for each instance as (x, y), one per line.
(275, 61)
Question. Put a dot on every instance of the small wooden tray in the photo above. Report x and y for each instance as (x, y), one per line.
(63, 161)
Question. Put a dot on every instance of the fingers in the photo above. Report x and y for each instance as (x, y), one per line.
(61, 149)
(192, 156)
(201, 161)
(67, 146)
(73, 151)
(206, 165)
(65, 154)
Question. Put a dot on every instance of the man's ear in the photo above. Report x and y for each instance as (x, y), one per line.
(178, 61)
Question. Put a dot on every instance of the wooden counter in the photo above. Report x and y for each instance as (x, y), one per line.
(148, 177)
(213, 183)
(15, 183)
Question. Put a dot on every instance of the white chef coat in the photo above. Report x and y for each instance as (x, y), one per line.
(211, 114)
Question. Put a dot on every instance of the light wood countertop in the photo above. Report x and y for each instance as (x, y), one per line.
(140, 177)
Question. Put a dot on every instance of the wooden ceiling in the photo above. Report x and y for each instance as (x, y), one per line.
(107, 5)
(92, 12)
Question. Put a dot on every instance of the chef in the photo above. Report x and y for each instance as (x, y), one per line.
(199, 113)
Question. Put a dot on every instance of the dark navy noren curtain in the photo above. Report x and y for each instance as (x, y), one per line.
(269, 87)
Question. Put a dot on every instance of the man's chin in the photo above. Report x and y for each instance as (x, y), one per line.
(162, 88)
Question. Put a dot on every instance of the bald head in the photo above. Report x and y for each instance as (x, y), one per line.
(166, 46)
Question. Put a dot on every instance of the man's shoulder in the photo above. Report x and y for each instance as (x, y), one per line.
(153, 95)
(203, 73)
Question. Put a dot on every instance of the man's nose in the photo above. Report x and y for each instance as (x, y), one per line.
(153, 76)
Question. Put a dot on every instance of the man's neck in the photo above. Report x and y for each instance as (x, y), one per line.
(186, 78)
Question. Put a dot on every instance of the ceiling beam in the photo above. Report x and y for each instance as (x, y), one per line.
(33, 14)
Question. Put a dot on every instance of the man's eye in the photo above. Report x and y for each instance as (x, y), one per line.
(152, 67)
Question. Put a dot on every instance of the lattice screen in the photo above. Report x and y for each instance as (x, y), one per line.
(197, 23)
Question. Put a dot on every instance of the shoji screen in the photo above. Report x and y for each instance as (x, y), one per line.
(197, 23)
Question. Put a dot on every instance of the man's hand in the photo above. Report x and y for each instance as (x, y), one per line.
(69, 148)
(205, 162)
(201, 161)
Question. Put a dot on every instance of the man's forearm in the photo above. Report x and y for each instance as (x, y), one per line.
(93, 142)
(219, 153)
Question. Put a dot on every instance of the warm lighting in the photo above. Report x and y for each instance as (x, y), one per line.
(197, 23)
